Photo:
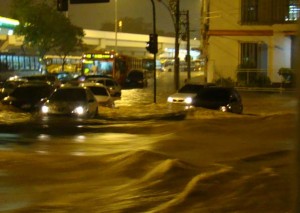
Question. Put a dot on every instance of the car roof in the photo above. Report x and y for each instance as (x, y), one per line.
(89, 84)
(71, 87)
(93, 76)
(40, 77)
(98, 76)
(136, 70)
(35, 84)
(201, 84)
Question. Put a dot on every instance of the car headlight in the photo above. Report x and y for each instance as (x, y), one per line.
(79, 110)
(223, 108)
(188, 100)
(170, 99)
(45, 109)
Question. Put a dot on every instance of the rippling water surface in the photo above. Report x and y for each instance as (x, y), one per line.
(145, 157)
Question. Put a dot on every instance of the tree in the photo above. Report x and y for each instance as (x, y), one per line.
(44, 28)
(70, 41)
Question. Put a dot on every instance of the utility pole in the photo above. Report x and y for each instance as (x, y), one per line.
(153, 41)
(177, 45)
(186, 36)
(116, 26)
(204, 34)
(188, 45)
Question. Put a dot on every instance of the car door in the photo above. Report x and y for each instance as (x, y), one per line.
(92, 103)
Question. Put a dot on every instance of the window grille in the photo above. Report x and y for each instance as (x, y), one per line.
(249, 11)
(267, 12)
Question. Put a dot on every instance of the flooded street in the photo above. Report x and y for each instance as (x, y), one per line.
(146, 157)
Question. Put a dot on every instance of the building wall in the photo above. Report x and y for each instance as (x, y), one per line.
(226, 33)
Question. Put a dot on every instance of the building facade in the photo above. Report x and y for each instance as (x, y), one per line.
(248, 40)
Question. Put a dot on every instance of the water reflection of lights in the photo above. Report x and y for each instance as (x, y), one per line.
(80, 138)
(42, 152)
(78, 154)
(44, 137)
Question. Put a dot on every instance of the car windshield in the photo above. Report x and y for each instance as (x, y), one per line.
(98, 90)
(109, 83)
(31, 92)
(69, 95)
(190, 88)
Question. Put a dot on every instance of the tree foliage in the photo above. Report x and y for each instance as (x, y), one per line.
(44, 28)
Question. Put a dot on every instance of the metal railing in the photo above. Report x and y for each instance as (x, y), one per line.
(252, 77)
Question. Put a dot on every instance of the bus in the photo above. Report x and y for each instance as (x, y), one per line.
(15, 62)
(56, 64)
(33, 63)
(109, 63)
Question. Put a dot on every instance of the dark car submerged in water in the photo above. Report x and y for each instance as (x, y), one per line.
(226, 99)
(28, 96)
(136, 79)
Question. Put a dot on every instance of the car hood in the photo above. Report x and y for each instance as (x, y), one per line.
(182, 95)
(66, 103)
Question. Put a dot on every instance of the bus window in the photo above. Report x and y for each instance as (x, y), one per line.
(106, 68)
(97, 67)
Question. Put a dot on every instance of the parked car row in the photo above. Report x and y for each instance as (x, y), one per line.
(43, 93)
(81, 97)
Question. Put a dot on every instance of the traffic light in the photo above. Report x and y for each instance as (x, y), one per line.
(87, 1)
(152, 44)
(62, 5)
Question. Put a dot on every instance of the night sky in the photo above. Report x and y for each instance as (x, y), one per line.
(91, 16)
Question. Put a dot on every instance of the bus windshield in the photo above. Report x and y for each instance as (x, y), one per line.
(98, 67)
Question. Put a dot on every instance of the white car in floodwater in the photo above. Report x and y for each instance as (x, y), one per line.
(101, 93)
